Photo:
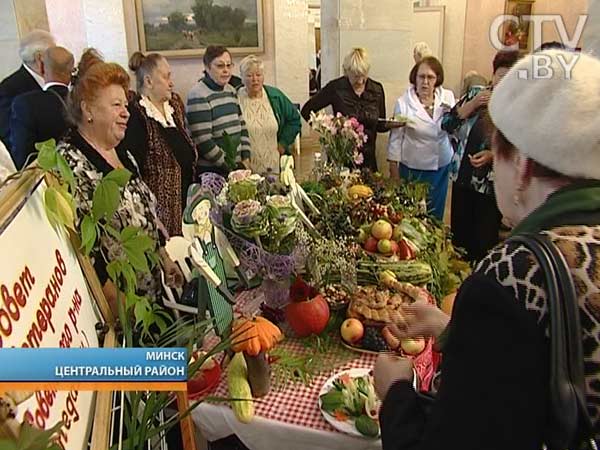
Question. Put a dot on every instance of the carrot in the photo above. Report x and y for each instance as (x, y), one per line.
(340, 415)
(345, 378)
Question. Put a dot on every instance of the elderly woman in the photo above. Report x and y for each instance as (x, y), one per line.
(494, 391)
(213, 111)
(420, 51)
(355, 95)
(475, 217)
(98, 109)
(272, 120)
(158, 139)
(422, 149)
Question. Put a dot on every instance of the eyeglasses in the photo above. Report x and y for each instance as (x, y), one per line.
(427, 77)
(222, 66)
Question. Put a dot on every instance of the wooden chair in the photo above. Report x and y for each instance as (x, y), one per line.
(178, 248)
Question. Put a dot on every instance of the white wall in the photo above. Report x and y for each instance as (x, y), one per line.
(454, 42)
(9, 39)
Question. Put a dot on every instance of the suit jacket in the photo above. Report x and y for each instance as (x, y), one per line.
(15, 84)
(36, 117)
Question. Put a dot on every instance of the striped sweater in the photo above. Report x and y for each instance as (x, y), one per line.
(211, 111)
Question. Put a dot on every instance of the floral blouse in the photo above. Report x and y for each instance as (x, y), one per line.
(137, 207)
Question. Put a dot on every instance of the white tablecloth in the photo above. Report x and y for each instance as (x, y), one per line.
(217, 421)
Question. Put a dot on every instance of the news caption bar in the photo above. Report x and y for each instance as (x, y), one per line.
(93, 369)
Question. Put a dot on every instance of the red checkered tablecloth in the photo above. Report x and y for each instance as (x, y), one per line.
(297, 404)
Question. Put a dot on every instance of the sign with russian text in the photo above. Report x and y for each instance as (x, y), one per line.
(45, 302)
(95, 368)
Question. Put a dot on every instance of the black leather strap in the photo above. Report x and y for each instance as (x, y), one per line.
(569, 423)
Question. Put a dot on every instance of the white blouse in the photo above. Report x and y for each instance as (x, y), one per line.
(421, 144)
(262, 128)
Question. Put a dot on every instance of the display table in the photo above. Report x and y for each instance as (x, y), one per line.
(287, 419)
(290, 418)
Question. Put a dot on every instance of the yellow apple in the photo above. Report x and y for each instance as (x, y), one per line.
(352, 330)
(382, 229)
(412, 346)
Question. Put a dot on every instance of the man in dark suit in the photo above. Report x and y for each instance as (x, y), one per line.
(27, 78)
(37, 116)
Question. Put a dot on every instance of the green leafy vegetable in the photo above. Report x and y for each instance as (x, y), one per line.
(367, 426)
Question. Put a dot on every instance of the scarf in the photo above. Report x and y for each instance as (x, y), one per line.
(576, 204)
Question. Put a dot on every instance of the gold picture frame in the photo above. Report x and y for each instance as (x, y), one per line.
(177, 34)
(521, 33)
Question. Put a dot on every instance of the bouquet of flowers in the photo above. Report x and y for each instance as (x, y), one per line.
(341, 137)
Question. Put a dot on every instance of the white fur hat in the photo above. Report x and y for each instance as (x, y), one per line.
(552, 115)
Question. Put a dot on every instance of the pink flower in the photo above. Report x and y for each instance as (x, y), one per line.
(358, 158)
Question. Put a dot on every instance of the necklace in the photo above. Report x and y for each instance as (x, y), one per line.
(110, 156)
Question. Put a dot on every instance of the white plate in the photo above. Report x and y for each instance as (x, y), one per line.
(347, 426)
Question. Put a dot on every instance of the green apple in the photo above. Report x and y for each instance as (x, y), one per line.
(362, 236)
(397, 233)
(385, 247)
(412, 346)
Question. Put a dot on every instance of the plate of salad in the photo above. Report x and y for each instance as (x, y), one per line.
(349, 403)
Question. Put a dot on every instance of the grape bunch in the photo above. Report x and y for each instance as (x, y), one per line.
(373, 340)
(378, 211)
(395, 217)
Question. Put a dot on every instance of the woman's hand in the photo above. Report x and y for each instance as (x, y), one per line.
(421, 320)
(388, 370)
(479, 101)
(481, 159)
(281, 149)
(173, 275)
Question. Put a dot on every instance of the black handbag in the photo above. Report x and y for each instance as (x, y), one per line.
(569, 425)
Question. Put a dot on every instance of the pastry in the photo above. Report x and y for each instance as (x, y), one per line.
(369, 303)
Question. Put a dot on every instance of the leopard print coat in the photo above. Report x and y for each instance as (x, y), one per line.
(515, 268)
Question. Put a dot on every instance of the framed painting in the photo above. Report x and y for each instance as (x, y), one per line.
(184, 28)
(518, 33)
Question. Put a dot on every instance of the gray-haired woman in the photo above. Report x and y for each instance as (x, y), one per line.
(273, 122)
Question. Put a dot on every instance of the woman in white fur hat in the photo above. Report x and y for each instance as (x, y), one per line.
(495, 388)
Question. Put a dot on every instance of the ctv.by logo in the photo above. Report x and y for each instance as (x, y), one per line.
(541, 65)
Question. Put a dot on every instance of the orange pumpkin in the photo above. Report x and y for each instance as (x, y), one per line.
(255, 335)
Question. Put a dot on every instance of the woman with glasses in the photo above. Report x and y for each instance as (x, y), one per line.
(421, 151)
(213, 111)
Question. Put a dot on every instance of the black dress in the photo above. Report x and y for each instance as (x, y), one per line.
(366, 108)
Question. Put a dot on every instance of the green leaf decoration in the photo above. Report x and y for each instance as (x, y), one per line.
(120, 176)
(114, 270)
(65, 171)
(58, 208)
(32, 438)
(47, 154)
(111, 231)
(230, 147)
(136, 256)
(129, 232)
(89, 234)
(141, 309)
(132, 299)
(106, 199)
(130, 278)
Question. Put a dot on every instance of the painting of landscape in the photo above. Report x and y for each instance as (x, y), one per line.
(186, 27)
